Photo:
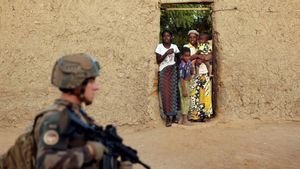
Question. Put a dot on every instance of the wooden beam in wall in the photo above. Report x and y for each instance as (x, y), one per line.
(185, 9)
(183, 1)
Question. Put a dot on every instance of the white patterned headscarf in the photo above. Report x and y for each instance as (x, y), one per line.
(193, 31)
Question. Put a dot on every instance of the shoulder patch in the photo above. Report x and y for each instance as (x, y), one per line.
(51, 137)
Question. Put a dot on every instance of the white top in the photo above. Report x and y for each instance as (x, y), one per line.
(170, 59)
(202, 67)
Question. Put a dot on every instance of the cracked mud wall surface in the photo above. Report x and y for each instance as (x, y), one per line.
(121, 35)
(257, 62)
(258, 59)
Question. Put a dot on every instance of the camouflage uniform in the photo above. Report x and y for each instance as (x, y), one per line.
(60, 145)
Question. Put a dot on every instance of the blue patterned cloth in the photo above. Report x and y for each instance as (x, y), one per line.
(185, 70)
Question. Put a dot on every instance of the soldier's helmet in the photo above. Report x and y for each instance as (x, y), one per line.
(70, 71)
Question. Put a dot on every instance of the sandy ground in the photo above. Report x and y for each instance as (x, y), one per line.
(210, 146)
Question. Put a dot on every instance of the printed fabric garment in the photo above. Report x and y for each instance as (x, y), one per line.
(205, 48)
(60, 145)
(206, 95)
(185, 70)
(206, 89)
(201, 101)
(201, 88)
(168, 90)
(185, 74)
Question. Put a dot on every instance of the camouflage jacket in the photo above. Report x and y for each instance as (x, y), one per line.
(60, 145)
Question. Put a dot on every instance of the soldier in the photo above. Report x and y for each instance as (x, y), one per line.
(60, 145)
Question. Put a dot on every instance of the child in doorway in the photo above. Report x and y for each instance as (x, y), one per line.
(205, 48)
(185, 75)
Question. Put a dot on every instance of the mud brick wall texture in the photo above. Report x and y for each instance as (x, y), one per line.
(258, 62)
(257, 46)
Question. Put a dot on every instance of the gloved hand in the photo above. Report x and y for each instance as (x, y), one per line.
(126, 165)
(96, 149)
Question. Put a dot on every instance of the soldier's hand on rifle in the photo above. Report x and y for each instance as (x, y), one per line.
(96, 149)
(125, 165)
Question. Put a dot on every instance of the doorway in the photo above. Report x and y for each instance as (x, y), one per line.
(179, 17)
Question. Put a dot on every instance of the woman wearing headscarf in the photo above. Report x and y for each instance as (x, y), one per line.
(201, 100)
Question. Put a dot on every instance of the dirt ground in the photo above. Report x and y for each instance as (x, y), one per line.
(210, 145)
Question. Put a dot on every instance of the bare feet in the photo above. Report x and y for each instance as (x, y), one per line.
(185, 120)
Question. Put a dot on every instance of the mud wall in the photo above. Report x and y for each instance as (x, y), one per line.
(120, 34)
(258, 59)
(257, 62)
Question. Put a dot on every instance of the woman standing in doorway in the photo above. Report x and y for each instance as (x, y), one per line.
(201, 100)
(168, 79)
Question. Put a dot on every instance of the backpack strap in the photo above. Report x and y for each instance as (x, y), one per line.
(54, 107)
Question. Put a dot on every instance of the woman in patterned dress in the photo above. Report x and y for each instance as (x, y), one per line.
(201, 100)
(168, 79)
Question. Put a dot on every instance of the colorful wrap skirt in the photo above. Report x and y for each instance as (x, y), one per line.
(168, 90)
(201, 97)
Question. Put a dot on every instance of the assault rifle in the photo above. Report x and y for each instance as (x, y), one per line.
(111, 140)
